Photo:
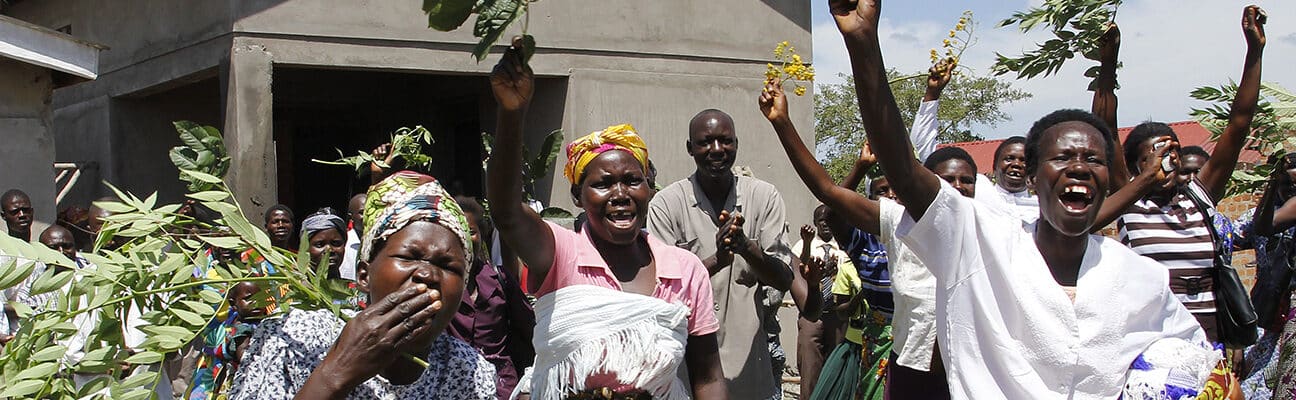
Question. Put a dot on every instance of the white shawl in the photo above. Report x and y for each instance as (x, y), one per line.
(583, 330)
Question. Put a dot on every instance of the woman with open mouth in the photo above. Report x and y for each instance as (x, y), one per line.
(618, 311)
(1038, 311)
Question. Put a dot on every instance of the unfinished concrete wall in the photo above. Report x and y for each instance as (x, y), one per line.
(27, 153)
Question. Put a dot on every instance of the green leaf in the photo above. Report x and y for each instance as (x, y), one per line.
(144, 357)
(50, 281)
(224, 242)
(15, 272)
(447, 15)
(201, 176)
(22, 388)
(137, 394)
(189, 317)
(39, 371)
(49, 354)
(139, 379)
(211, 296)
(492, 20)
(210, 195)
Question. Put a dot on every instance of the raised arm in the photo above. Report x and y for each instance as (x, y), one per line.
(1268, 220)
(1104, 99)
(855, 208)
(914, 185)
(1150, 177)
(807, 279)
(859, 170)
(520, 227)
(926, 128)
(1217, 171)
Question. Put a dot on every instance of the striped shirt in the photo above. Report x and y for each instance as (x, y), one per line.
(870, 258)
(1174, 233)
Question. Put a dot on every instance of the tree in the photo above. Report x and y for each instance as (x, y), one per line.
(1275, 120)
(968, 100)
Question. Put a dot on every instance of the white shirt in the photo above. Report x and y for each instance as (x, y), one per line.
(913, 326)
(925, 129)
(1007, 329)
(348, 268)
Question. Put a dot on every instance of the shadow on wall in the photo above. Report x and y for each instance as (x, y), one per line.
(793, 10)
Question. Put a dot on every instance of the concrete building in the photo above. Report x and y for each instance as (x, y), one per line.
(33, 62)
(288, 81)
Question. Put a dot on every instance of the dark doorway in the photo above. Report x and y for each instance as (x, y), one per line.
(318, 112)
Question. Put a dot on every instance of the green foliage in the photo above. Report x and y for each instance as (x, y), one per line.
(203, 151)
(1271, 129)
(968, 100)
(159, 279)
(534, 167)
(1076, 25)
(493, 18)
(406, 144)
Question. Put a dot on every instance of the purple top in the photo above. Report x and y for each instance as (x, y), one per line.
(498, 323)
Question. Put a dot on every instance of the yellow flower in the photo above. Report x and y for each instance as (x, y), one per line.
(796, 58)
(800, 91)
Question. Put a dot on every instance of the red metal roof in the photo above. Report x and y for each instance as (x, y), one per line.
(1190, 133)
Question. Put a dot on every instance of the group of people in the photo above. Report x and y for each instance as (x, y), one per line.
(936, 282)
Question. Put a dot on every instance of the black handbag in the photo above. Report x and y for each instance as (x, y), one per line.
(1273, 278)
(1234, 312)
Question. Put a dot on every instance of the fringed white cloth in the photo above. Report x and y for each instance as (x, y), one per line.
(1171, 369)
(584, 330)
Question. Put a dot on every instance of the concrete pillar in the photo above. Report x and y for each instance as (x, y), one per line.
(249, 134)
(27, 153)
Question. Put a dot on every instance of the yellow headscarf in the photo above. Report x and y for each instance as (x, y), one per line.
(617, 137)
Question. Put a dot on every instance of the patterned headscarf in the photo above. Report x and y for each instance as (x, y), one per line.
(617, 137)
(322, 220)
(406, 197)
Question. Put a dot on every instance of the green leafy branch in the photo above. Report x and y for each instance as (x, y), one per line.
(163, 277)
(203, 151)
(1077, 26)
(493, 18)
(406, 144)
(1271, 128)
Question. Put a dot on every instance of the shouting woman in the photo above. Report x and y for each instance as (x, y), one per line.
(618, 311)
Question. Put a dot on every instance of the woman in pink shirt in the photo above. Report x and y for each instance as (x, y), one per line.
(618, 311)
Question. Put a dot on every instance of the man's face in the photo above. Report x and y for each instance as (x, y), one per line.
(959, 174)
(17, 214)
(355, 210)
(821, 217)
(1190, 165)
(60, 240)
(880, 188)
(1010, 168)
(713, 145)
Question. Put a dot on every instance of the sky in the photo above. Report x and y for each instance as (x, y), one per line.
(1168, 48)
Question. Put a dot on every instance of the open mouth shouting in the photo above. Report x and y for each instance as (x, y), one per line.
(1076, 198)
(622, 219)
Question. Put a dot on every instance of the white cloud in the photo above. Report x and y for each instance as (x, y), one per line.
(1168, 48)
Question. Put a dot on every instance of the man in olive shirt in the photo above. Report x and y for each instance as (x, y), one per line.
(742, 250)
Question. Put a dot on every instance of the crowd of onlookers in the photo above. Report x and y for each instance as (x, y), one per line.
(933, 282)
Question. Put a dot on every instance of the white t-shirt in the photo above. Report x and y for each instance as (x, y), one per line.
(913, 326)
(1008, 330)
(1023, 204)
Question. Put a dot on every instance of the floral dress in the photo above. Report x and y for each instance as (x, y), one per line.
(284, 351)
